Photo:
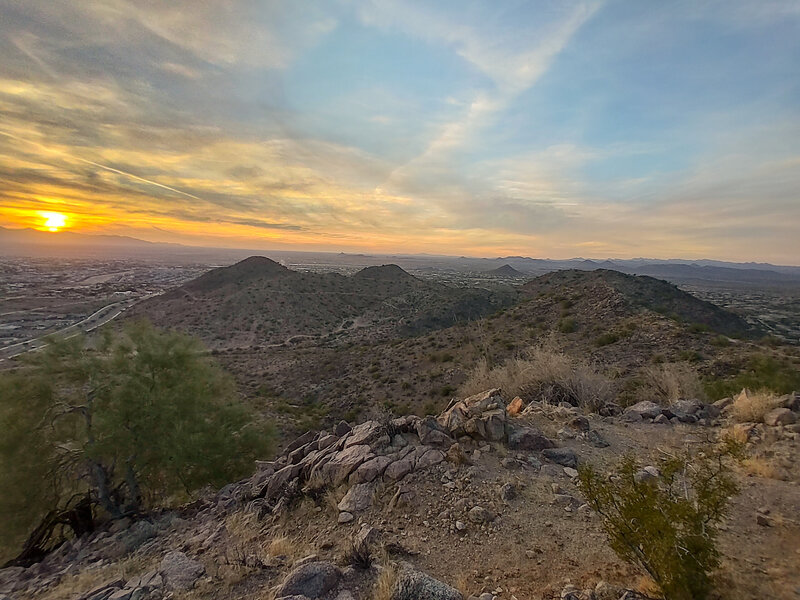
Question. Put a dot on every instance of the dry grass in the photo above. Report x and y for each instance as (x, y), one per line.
(761, 467)
(385, 583)
(73, 586)
(751, 407)
(672, 381)
(284, 546)
(462, 585)
(544, 374)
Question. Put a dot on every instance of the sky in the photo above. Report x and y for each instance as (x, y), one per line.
(551, 128)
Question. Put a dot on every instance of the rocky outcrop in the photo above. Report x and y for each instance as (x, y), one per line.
(310, 580)
(412, 584)
(180, 572)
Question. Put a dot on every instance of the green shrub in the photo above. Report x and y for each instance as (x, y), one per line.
(606, 338)
(113, 427)
(566, 325)
(667, 525)
(762, 372)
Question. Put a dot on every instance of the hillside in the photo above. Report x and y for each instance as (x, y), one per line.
(478, 503)
(505, 270)
(646, 293)
(583, 314)
(258, 302)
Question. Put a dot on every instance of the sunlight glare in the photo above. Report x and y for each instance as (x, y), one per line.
(53, 221)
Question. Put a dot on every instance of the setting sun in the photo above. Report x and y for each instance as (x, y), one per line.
(53, 221)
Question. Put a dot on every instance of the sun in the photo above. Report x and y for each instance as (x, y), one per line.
(53, 221)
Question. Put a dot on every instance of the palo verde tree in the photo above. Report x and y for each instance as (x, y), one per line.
(667, 525)
(114, 426)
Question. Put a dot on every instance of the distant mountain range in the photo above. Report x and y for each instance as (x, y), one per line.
(67, 244)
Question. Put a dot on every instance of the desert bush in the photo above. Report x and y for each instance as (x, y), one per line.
(114, 426)
(566, 325)
(752, 407)
(667, 525)
(761, 372)
(543, 374)
(668, 382)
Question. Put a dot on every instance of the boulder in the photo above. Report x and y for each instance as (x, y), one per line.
(645, 409)
(515, 407)
(565, 457)
(412, 584)
(456, 416)
(399, 468)
(480, 515)
(179, 572)
(341, 464)
(304, 439)
(430, 433)
(369, 432)
(779, 416)
(357, 498)
(527, 438)
(277, 483)
(430, 458)
(312, 580)
(342, 428)
(371, 469)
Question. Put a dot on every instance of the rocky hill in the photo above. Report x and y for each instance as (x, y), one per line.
(259, 303)
(479, 502)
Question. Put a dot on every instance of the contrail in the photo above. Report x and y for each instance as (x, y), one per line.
(99, 166)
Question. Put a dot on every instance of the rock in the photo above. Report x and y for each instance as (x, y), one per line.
(723, 403)
(631, 417)
(341, 464)
(661, 419)
(371, 469)
(399, 469)
(431, 433)
(527, 438)
(342, 428)
(579, 423)
(480, 515)
(610, 409)
(515, 406)
(366, 536)
(790, 401)
(326, 441)
(416, 585)
(606, 591)
(508, 492)
(456, 417)
(565, 457)
(460, 525)
(313, 580)
(646, 475)
(552, 471)
(148, 581)
(645, 409)
(357, 498)
(595, 439)
(779, 416)
(763, 520)
(278, 482)
(179, 572)
(345, 517)
(304, 439)
(570, 472)
(689, 407)
(430, 458)
(368, 432)
(456, 455)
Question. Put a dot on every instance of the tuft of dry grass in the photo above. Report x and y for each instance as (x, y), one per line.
(672, 381)
(384, 586)
(761, 467)
(283, 546)
(752, 407)
(545, 374)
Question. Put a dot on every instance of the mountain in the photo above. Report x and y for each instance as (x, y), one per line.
(260, 302)
(693, 273)
(643, 292)
(505, 271)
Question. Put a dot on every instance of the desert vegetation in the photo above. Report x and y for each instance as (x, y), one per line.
(665, 519)
(545, 374)
(112, 427)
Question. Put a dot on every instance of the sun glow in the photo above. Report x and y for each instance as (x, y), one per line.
(53, 221)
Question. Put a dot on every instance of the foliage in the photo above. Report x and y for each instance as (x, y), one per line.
(672, 381)
(542, 374)
(129, 419)
(667, 525)
(566, 325)
(762, 372)
(752, 407)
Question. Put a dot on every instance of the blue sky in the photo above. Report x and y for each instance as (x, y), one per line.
(550, 128)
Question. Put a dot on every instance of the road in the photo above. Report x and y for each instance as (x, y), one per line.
(90, 323)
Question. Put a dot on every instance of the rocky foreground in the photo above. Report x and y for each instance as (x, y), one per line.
(481, 497)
